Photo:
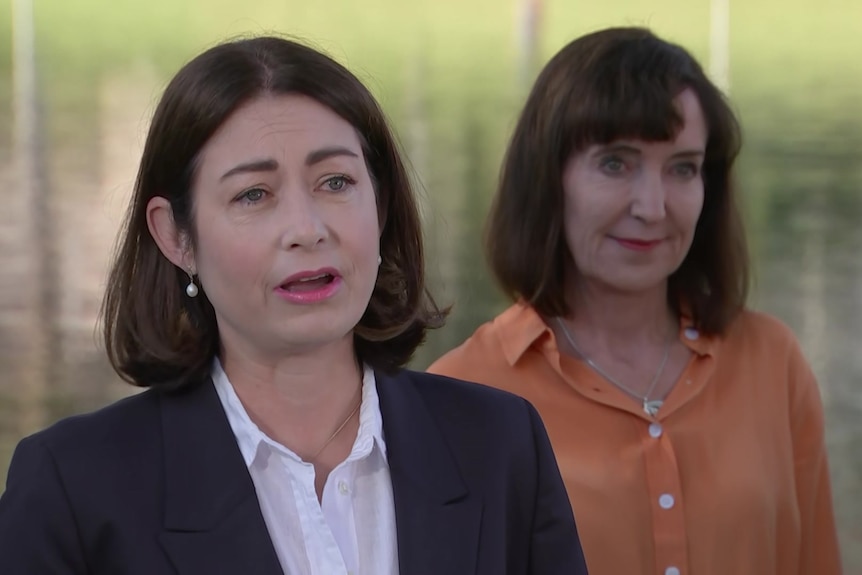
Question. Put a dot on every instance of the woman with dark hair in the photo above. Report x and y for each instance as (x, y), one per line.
(688, 429)
(267, 289)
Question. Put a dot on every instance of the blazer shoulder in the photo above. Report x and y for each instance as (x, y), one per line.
(446, 387)
(473, 405)
(105, 431)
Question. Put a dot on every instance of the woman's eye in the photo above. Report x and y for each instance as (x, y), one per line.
(252, 196)
(686, 170)
(337, 183)
(613, 165)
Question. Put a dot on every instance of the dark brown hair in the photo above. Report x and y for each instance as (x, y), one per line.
(613, 84)
(155, 335)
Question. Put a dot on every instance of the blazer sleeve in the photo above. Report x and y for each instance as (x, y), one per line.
(555, 548)
(38, 533)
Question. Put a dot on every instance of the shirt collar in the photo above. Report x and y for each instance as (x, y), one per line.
(695, 340)
(521, 327)
(249, 437)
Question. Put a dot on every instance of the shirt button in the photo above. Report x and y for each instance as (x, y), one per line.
(671, 571)
(666, 501)
(342, 487)
(691, 333)
(655, 430)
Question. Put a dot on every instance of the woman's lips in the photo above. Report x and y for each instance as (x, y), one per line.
(636, 244)
(310, 286)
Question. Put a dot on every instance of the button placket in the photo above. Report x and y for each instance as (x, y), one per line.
(663, 482)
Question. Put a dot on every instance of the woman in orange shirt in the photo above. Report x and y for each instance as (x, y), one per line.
(689, 430)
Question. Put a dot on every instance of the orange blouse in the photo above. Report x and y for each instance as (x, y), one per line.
(731, 475)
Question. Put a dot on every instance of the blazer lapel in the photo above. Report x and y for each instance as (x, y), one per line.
(437, 520)
(213, 522)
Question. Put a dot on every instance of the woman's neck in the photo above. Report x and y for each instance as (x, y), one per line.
(304, 380)
(299, 400)
(607, 321)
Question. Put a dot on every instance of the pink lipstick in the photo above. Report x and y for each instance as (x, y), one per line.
(309, 287)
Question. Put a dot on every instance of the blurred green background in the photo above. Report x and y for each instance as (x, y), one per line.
(452, 76)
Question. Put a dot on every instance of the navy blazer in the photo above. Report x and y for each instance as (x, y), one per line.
(155, 484)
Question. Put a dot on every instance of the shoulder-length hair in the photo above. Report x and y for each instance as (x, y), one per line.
(157, 337)
(613, 84)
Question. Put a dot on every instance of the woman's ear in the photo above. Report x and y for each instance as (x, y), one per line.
(173, 243)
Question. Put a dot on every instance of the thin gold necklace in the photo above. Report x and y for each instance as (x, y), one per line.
(650, 407)
(340, 427)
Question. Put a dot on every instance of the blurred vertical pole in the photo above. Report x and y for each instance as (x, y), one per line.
(529, 24)
(26, 146)
(417, 112)
(814, 328)
(719, 43)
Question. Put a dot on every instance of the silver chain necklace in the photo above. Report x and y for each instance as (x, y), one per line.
(650, 407)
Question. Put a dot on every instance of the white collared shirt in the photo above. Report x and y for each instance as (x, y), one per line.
(351, 531)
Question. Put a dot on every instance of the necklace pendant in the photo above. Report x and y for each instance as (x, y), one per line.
(652, 407)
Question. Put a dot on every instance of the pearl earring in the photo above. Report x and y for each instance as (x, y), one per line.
(192, 288)
(379, 260)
